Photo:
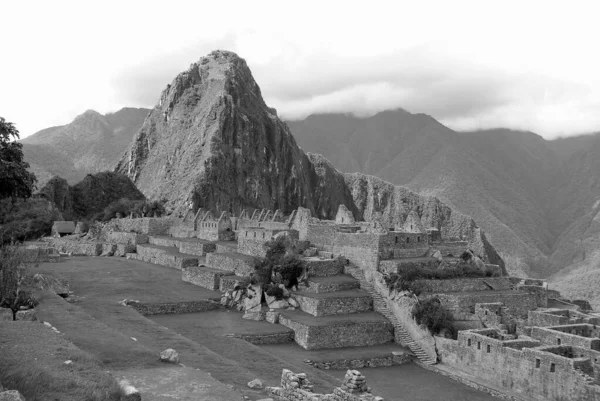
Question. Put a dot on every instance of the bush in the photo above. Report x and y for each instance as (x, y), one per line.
(263, 269)
(435, 317)
(290, 268)
(275, 292)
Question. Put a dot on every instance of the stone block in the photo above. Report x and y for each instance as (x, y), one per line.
(334, 303)
(27, 315)
(241, 265)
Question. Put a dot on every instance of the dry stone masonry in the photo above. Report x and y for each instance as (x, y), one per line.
(297, 387)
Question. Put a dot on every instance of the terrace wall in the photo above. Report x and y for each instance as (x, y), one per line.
(573, 335)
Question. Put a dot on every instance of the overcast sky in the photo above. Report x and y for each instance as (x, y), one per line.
(531, 65)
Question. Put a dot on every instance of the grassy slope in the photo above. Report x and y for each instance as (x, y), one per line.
(33, 359)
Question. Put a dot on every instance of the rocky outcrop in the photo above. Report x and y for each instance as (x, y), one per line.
(212, 142)
(392, 204)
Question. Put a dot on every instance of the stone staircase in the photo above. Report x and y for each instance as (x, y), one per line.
(380, 305)
(334, 312)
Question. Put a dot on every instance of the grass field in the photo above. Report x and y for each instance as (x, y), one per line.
(33, 362)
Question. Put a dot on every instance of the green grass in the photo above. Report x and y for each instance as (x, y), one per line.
(33, 359)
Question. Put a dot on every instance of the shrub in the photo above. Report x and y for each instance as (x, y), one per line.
(275, 292)
(290, 267)
(435, 317)
(407, 279)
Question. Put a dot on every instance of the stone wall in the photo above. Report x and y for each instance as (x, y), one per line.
(239, 264)
(517, 304)
(360, 363)
(535, 373)
(466, 284)
(147, 309)
(573, 335)
(77, 248)
(128, 238)
(296, 387)
(341, 334)
(559, 317)
(145, 225)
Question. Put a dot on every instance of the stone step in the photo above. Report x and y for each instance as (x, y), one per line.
(341, 282)
(240, 264)
(323, 267)
(356, 330)
(203, 276)
(191, 246)
(230, 281)
(167, 256)
(334, 303)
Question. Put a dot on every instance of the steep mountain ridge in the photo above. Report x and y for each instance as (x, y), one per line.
(212, 141)
(525, 191)
(91, 143)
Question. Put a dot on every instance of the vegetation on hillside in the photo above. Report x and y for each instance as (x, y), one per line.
(408, 279)
(433, 315)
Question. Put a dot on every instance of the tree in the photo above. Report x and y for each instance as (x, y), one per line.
(15, 180)
(14, 272)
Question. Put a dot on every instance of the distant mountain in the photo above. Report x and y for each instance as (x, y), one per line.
(533, 197)
(91, 143)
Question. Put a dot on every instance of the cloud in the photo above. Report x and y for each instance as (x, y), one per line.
(420, 79)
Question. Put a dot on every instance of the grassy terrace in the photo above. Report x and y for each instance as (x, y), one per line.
(33, 361)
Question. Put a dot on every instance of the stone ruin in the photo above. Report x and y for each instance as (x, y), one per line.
(296, 386)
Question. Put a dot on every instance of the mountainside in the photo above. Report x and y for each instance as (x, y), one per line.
(530, 195)
(91, 143)
(213, 142)
(89, 196)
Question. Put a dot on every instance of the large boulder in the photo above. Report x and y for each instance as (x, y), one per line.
(169, 355)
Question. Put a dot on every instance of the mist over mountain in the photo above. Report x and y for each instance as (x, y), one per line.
(91, 143)
(535, 198)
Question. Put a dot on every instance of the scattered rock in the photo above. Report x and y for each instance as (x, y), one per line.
(169, 355)
(134, 339)
(11, 395)
(253, 298)
(293, 302)
(256, 384)
(69, 362)
(130, 393)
